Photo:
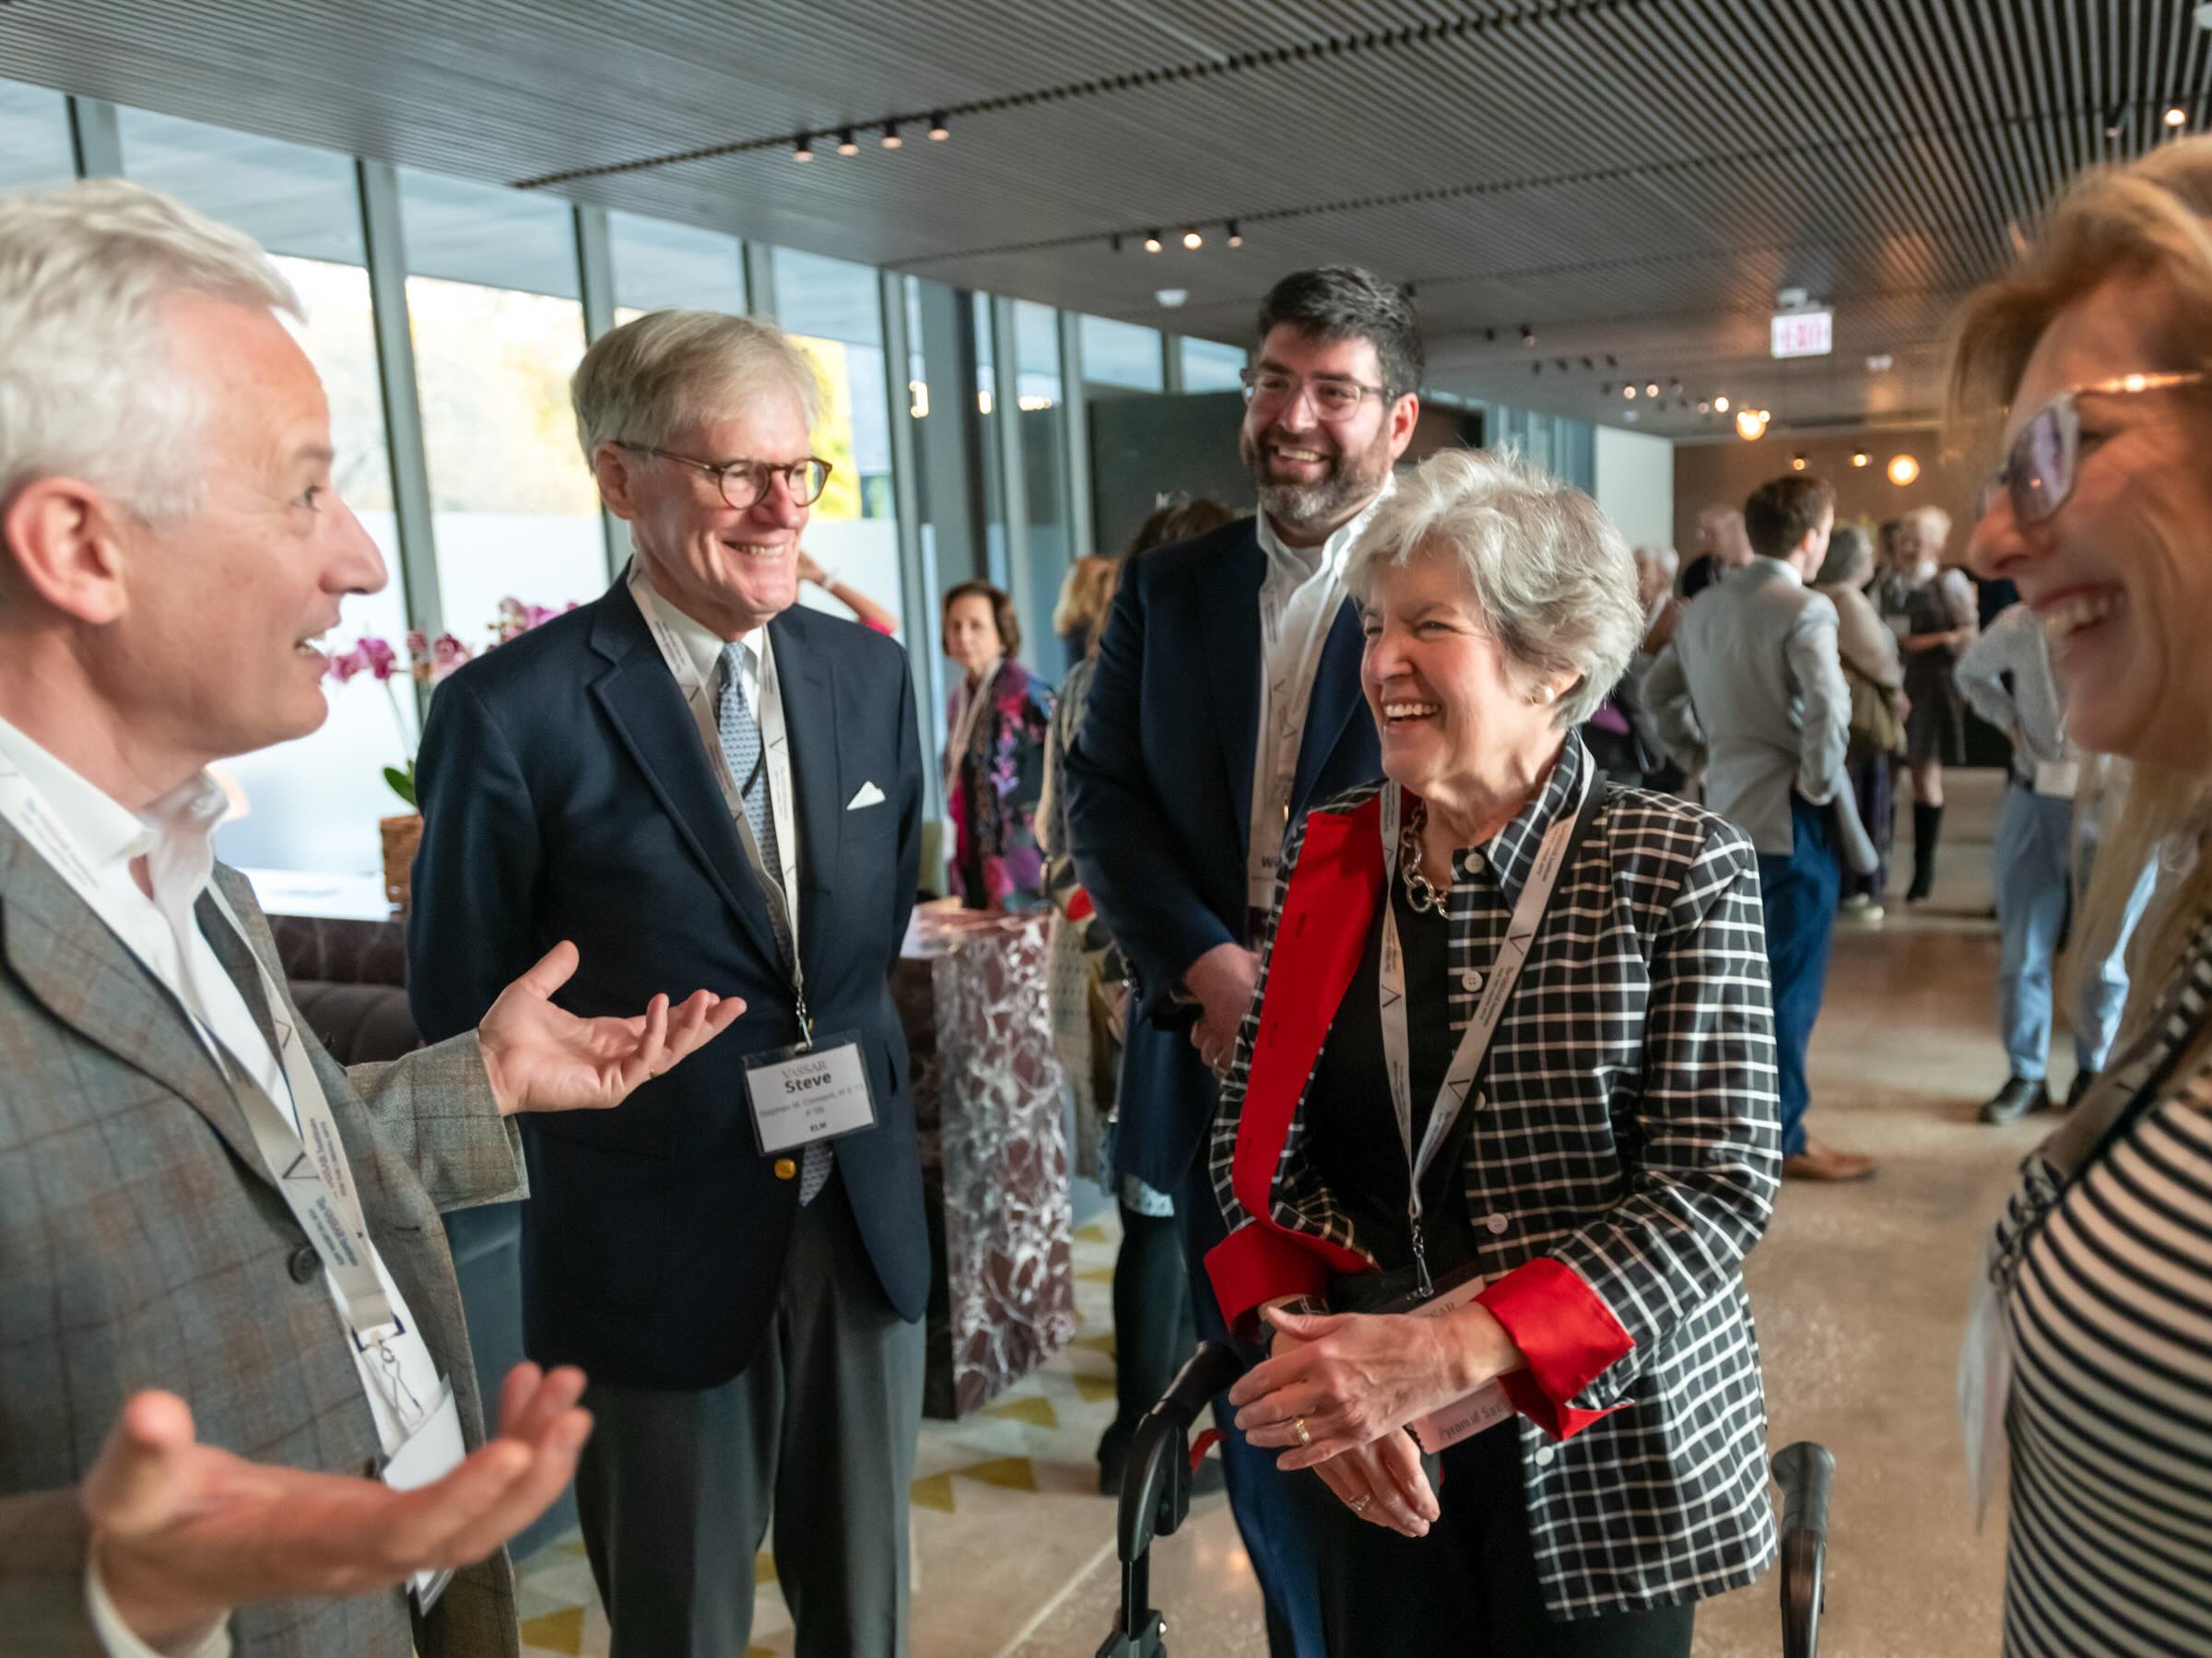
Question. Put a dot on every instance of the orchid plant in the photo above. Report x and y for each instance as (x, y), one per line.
(429, 661)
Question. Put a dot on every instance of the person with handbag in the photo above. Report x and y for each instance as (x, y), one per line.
(1876, 675)
(2089, 1365)
(1500, 1124)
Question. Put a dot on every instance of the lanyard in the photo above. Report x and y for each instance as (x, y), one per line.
(782, 894)
(1489, 1007)
(307, 1161)
(963, 727)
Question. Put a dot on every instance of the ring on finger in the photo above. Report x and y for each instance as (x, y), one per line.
(1304, 1437)
(1361, 1507)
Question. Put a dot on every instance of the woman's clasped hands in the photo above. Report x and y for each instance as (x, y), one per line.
(1338, 1389)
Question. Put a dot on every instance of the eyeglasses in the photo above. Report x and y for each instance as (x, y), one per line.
(745, 482)
(1333, 399)
(2039, 474)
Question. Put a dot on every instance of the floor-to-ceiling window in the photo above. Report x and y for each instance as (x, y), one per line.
(34, 137)
(1210, 366)
(498, 323)
(1120, 357)
(1042, 415)
(311, 803)
(659, 266)
(834, 311)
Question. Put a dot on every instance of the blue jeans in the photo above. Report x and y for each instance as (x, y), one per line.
(2034, 854)
(1276, 1525)
(1798, 893)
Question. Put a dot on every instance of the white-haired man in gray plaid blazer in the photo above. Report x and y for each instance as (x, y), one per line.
(225, 1303)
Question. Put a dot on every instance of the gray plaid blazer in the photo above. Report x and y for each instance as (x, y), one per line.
(142, 1245)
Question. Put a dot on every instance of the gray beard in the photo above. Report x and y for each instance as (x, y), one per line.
(1349, 484)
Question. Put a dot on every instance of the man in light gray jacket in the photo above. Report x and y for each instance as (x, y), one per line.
(1751, 692)
(237, 1405)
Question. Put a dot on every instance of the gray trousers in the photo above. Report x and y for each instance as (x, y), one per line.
(674, 1489)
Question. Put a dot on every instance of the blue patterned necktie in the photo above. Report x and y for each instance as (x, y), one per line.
(740, 733)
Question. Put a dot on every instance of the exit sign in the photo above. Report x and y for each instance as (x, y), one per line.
(1805, 333)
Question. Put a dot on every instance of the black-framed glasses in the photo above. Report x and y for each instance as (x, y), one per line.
(745, 482)
(1333, 398)
(2039, 472)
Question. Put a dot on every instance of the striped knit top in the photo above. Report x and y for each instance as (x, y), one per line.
(2109, 1315)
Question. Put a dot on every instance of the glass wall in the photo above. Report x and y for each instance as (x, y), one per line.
(1043, 422)
(312, 804)
(834, 311)
(35, 150)
(1120, 357)
(494, 306)
(1210, 366)
(659, 266)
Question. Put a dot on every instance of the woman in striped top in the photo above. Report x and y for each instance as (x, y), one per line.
(2093, 1357)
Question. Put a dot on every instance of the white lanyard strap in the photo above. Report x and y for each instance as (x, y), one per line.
(781, 892)
(1283, 707)
(1489, 1007)
(307, 1162)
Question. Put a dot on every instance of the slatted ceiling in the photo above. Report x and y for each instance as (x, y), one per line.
(1629, 176)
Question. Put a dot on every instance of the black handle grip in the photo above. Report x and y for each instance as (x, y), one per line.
(1156, 1479)
(1807, 1474)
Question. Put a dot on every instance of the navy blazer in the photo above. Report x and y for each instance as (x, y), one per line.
(1159, 803)
(565, 794)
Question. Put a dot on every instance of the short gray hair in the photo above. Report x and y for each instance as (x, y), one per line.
(87, 385)
(1550, 574)
(1926, 528)
(654, 375)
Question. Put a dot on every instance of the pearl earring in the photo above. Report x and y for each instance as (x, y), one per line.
(1542, 694)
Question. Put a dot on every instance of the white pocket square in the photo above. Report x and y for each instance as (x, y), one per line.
(869, 795)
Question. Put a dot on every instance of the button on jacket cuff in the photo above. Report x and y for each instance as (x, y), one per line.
(1569, 1335)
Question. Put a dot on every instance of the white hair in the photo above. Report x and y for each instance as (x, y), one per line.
(1925, 529)
(654, 375)
(89, 387)
(1550, 574)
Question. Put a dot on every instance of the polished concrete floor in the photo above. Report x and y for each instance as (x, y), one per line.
(1859, 1291)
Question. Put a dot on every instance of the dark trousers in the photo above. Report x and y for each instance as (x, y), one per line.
(1799, 895)
(1872, 785)
(1153, 1333)
(674, 1489)
(1277, 1528)
(1470, 1586)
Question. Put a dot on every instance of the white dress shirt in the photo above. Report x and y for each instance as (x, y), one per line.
(704, 647)
(1299, 595)
(175, 835)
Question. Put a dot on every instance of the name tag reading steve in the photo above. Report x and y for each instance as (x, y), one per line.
(801, 1094)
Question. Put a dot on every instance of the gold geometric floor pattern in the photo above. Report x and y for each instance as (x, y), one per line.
(1004, 1507)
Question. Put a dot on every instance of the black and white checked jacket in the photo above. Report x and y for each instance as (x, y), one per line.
(1625, 1128)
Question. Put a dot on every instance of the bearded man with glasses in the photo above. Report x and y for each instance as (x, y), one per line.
(701, 782)
(1226, 696)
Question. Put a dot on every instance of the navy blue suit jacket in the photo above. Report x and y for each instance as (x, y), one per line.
(565, 794)
(1159, 803)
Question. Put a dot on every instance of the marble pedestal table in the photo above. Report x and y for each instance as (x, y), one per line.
(989, 1101)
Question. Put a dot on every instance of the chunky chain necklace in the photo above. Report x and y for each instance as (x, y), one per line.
(1420, 891)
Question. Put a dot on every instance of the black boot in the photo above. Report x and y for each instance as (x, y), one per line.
(1928, 826)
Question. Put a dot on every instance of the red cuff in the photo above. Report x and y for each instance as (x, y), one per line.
(1569, 1335)
(1255, 1265)
(1079, 907)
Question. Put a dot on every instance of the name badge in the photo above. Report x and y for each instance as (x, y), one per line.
(801, 1094)
(430, 1453)
(2057, 779)
(1463, 1418)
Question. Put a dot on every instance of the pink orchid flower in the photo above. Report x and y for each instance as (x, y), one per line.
(344, 664)
(376, 657)
(446, 656)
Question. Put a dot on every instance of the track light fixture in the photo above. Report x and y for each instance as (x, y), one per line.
(1630, 393)
(1489, 336)
(1113, 243)
(1587, 365)
(1528, 335)
(1536, 367)
(1652, 390)
(846, 144)
(1192, 240)
(1236, 237)
(803, 150)
(937, 132)
(1152, 242)
(2177, 116)
(891, 140)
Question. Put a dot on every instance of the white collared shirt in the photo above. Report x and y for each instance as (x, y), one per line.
(175, 837)
(703, 646)
(1299, 594)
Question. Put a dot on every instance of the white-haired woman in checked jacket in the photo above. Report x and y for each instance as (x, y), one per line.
(1590, 1176)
